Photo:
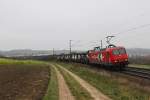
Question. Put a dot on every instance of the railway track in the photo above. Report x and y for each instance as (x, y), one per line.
(139, 72)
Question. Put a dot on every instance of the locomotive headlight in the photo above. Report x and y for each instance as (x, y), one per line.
(116, 61)
(126, 59)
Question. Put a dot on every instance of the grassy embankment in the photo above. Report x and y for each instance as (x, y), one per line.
(109, 86)
(52, 91)
(140, 66)
(76, 89)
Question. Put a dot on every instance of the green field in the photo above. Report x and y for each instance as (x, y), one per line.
(21, 62)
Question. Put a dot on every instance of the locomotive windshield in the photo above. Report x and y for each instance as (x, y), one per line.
(119, 51)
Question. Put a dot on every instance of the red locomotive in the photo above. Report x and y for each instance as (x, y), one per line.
(110, 56)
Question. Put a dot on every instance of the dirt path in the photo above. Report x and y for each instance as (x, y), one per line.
(64, 92)
(97, 95)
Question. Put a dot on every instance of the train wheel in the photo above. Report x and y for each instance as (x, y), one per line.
(122, 67)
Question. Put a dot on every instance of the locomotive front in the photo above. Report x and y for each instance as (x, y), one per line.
(119, 56)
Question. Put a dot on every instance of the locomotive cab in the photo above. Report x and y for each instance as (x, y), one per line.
(118, 56)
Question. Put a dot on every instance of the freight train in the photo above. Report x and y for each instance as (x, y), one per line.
(112, 56)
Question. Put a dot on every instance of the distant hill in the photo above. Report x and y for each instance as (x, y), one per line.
(28, 52)
(25, 52)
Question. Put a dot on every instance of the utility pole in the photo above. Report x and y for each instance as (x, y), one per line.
(70, 46)
(53, 51)
(101, 44)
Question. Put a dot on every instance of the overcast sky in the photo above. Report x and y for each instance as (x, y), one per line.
(47, 24)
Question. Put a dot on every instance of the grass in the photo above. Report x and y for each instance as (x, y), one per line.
(140, 66)
(108, 85)
(76, 89)
(52, 91)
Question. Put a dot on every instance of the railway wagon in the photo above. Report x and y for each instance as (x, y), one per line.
(79, 57)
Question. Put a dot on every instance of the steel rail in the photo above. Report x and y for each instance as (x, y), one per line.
(139, 72)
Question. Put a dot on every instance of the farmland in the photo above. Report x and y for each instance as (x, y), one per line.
(22, 80)
(37, 80)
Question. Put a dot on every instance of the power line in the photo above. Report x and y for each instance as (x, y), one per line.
(93, 43)
(132, 29)
(74, 44)
(79, 43)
